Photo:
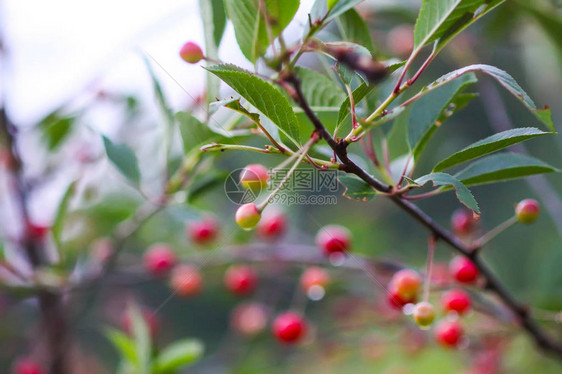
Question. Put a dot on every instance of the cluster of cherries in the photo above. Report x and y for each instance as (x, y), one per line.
(405, 285)
(290, 326)
(241, 280)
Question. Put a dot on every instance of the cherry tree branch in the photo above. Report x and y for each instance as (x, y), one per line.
(53, 313)
(493, 284)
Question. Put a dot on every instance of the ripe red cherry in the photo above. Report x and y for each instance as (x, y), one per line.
(463, 222)
(527, 211)
(314, 276)
(186, 280)
(449, 333)
(203, 232)
(406, 283)
(191, 52)
(289, 327)
(159, 259)
(457, 301)
(151, 320)
(254, 177)
(272, 225)
(333, 239)
(27, 366)
(240, 279)
(35, 231)
(463, 270)
(398, 302)
(249, 319)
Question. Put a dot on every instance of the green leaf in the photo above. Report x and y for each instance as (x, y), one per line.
(504, 79)
(502, 166)
(193, 132)
(319, 90)
(321, 12)
(389, 116)
(123, 157)
(55, 128)
(203, 183)
(262, 95)
(354, 29)
(179, 354)
(58, 224)
(441, 20)
(249, 23)
(234, 104)
(213, 16)
(358, 94)
(442, 179)
(488, 145)
(356, 189)
(159, 94)
(141, 336)
(331, 4)
(425, 112)
(393, 64)
(124, 344)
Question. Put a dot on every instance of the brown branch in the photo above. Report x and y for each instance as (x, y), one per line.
(493, 284)
(53, 313)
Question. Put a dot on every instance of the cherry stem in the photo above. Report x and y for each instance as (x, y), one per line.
(430, 254)
(490, 235)
(302, 153)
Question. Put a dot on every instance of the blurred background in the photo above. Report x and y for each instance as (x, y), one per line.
(75, 70)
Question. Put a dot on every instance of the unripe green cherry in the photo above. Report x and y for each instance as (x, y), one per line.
(527, 211)
(424, 314)
(248, 216)
(191, 53)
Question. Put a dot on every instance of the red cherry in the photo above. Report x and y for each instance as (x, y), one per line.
(191, 52)
(159, 259)
(456, 300)
(151, 319)
(186, 280)
(27, 366)
(289, 327)
(254, 177)
(463, 222)
(203, 232)
(249, 319)
(406, 283)
(35, 231)
(527, 211)
(449, 333)
(398, 302)
(333, 239)
(314, 276)
(463, 270)
(272, 225)
(240, 279)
